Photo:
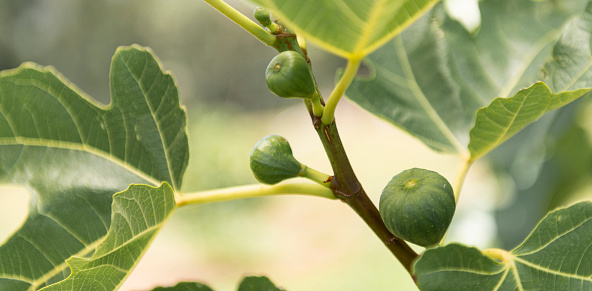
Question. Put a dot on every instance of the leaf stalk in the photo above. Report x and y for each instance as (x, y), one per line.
(316, 176)
(350, 72)
(250, 191)
(459, 180)
(243, 21)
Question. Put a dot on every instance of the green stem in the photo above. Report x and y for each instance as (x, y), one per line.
(246, 23)
(348, 76)
(317, 107)
(458, 183)
(274, 28)
(460, 177)
(250, 191)
(316, 176)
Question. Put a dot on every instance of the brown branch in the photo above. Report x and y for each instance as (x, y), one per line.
(347, 187)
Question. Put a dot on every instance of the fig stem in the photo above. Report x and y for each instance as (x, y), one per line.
(274, 28)
(250, 191)
(243, 21)
(317, 107)
(347, 188)
(351, 69)
(459, 180)
(316, 176)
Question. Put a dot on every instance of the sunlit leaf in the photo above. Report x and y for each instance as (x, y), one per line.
(138, 214)
(504, 117)
(73, 155)
(556, 256)
(348, 28)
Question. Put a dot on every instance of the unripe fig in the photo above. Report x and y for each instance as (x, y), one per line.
(272, 160)
(417, 205)
(289, 75)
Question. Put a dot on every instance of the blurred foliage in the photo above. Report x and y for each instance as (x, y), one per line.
(219, 154)
(212, 58)
(185, 286)
(546, 166)
(253, 283)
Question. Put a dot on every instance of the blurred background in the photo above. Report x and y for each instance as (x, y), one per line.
(301, 243)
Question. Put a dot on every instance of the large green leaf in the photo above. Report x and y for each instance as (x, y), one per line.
(571, 65)
(138, 214)
(556, 256)
(570, 69)
(73, 155)
(432, 78)
(504, 117)
(348, 28)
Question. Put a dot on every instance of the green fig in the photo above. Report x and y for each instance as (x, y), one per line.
(272, 160)
(417, 205)
(289, 75)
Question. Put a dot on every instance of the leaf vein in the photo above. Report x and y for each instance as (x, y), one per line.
(422, 99)
(79, 147)
(554, 272)
(503, 278)
(129, 241)
(559, 235)
(157, 123)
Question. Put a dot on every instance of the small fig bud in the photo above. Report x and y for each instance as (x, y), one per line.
(272, 160)
(417, 205)
(289, 75)
(263, 16)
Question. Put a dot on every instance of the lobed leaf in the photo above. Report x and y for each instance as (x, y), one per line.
(555, 256)
(348, 28)
(73, 155)
(138, 214)
(432, 79)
